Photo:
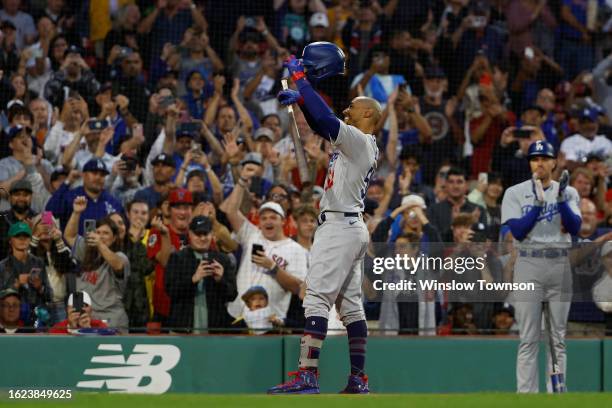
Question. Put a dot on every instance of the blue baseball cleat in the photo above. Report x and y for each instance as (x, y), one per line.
(304, 382)
(357, 384)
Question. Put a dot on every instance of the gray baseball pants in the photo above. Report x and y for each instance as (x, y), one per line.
(336, 271)
(553, 283)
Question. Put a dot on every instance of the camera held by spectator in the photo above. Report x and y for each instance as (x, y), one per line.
(79, 318)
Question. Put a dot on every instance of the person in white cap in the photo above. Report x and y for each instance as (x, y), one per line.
(79, 312)
(408, 217)
(270, 259)
(319, 27)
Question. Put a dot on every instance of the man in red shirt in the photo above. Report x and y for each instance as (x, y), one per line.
(485, 130)
(163, 240)
(77, 319)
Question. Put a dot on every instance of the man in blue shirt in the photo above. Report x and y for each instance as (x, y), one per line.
(164, 168)
(99, 202)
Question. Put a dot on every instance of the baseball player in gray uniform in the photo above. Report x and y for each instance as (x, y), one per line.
(340, 242)
(542, 214)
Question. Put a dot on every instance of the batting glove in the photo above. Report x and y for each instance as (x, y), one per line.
(563, 182)
(295, 67)
(538, 191)
(288, 97)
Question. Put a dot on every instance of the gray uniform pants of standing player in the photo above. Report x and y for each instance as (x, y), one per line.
(553, 282)
(336, 270)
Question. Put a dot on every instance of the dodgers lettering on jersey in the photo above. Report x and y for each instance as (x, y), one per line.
(519, 200)
(351, 167)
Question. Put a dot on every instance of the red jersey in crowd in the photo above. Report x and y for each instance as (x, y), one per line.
(62, 327)
(483, 150)
(161, 300)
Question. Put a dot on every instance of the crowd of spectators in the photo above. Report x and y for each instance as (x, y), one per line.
(147, 178)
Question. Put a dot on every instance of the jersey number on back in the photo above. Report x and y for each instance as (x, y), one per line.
(366, 180)
(329, 180)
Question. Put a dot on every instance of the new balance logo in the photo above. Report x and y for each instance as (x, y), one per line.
(126, 375)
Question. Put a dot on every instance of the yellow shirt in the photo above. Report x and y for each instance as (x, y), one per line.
(100, 17)
(149, 279)
(337, 18)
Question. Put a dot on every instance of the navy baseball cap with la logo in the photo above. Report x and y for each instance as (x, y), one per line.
(164, 159)
(95, 165)
(588, 114)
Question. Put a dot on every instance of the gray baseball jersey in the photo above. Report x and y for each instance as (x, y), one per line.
(551, 278)
(518, 201)
(340, 243)
(351, 167)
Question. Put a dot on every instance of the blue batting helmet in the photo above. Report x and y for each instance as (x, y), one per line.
(322, 59)
(541, 148)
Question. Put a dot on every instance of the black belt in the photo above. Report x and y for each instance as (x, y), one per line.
(544, 253)
(322, 217)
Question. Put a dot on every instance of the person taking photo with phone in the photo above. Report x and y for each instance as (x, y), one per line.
(78, 312)
(99, 203)
(270, 259)
(104, 268)
(510, 152)
(48, 244)
(98, 133)
(199, 281)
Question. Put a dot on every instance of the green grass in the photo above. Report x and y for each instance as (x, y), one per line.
(489, 400)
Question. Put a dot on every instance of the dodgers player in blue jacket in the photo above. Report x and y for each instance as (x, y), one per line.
(542, 214)
(340, 242)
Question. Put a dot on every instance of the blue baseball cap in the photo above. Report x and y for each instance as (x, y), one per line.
(15, 130)
(588, 114)
(253, 290)
(165, 159)
(95, 165)
(185, 133)
(73, 49)
(433, 72)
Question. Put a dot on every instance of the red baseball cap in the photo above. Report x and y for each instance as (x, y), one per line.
(180, 196)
